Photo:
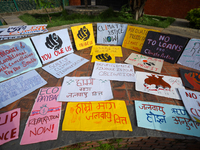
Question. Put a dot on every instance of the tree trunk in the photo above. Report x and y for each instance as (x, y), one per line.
(86, 4)
(137, 7)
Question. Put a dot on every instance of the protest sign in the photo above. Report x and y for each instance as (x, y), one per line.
(165, 117)
(135, 37)
(96, 116)
(117, 71)
(17, 57)
(20, 86)
(191, 100)
(160, 85)
(164, 46)
(9, 125)
(111, 33)
(43, 122)
(24, 29)
(144, 62)
(191, 55)
(53, 45)
(191, 79)
(85, 89)
(83, 36)
(65, 65)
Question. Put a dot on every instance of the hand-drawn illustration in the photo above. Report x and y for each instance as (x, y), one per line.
(44, 109)
(53, 41)
(104, 57)
(83, 34)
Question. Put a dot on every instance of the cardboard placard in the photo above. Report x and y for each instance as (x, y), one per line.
(191, 79)
(191, 55)
(164, 46)
(53, 45)
(165, 117)
(135, 37)
(144, 62)
(111, 33)
(96, 116)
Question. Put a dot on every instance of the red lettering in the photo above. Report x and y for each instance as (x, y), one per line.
(13, 115)
(191, 95)
(46, 56)
(13, 133)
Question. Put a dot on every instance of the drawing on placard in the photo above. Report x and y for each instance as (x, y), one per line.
(196, 48)
(104, 57)
(83, 34)
(53, 41)
(44, 109)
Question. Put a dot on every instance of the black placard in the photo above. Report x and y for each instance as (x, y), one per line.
(164, 46)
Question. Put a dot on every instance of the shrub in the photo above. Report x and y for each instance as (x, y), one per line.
(194, 17)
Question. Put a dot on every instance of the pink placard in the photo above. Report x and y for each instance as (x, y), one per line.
(9, 125)
(43, 122)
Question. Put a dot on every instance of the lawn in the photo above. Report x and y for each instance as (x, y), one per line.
(62, 18)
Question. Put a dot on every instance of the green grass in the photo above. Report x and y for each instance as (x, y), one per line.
(109, 15)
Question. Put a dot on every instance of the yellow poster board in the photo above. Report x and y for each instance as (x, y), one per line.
(83, 36)
(103, 57)
(96, 116)
(135, 37)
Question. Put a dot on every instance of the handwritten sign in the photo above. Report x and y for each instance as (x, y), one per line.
(65, 65)
(144, 62)
(164, 46)
(117, 71)
(24, 29)
(20, 86)
(17, 57)
(9, 125)
(191, 79)
(135, 37)
(83, 36)
(53, 45)
(96, 116)
(43, 122)
(85, 89)
(191, 55)
(111, 33)
(164, 117)
(191, 100)
(160, 85)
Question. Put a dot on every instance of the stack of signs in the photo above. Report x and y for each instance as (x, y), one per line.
(83, 36)
(9, 125)
(111, 33)
(144, 62)
(105, 53)
(17, 57)
(191, 55)
(14, 32)
(43, 122)
(191, 79)
(85, 89)
(96, 116)
(164, 117)
(191, 102)
(165, 46)
(158, 84)
(52, 45)
(135, 37)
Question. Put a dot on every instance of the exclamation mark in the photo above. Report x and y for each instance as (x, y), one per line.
(52, 128)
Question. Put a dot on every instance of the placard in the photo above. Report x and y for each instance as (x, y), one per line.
(111, 33)
(77, 89)
(144, 62)
(17, 57)
(83, 36)
(191, 100)
(191, 55)
(164, 117)
(164, 46)
(135, 37)
(160, 85)
(65, 65)
(117, 71)
(20, 86)
(103, 57)
(191, 79)
(53, 45)
(9, 125)
(43, 122)
(96, 116)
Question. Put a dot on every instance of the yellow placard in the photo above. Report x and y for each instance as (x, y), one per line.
(103, 57)
(96, 116)
(135, 37)
(116, 50)
(83, 36)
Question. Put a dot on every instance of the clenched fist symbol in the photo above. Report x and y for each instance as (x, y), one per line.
(83, 34)
(104, 57)
(53, 41)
